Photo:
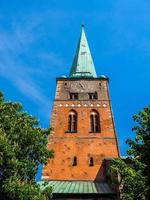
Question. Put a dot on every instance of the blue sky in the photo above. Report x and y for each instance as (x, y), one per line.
(38, 41)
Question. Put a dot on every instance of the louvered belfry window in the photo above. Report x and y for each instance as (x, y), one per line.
(72, 121)
(74, 96)
(93, 96)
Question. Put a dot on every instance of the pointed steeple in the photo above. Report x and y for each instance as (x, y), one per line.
(83, 65)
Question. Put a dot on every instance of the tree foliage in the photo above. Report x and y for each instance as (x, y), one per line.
(23, 145)
(135, 170)
(140, 147)
(129, 179)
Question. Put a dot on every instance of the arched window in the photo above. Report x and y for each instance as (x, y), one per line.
(74, 162)
(94, 122)
(72, 121)
(91, 161)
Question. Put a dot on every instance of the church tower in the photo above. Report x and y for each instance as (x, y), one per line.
(83, 132)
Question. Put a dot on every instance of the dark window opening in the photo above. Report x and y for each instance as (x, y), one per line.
(92, 95)
(91, 163)
(73, 96)
(94, 122)
(74, 163)
(72, 122)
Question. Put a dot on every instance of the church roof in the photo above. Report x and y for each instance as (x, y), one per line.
(83, 65)
(78, 188)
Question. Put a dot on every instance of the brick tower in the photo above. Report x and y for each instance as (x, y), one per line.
(83, 132)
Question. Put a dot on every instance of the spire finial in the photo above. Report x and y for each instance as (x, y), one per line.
(82, 25)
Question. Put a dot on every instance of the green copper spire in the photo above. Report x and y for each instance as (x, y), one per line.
(83, 65)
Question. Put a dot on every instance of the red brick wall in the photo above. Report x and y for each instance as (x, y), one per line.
(82, 144)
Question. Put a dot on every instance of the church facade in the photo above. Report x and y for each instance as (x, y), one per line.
(83, 131)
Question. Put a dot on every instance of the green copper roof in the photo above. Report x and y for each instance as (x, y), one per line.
(83, 65)
(80, 187)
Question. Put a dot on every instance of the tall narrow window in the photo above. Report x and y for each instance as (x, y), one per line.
(74, 162)
(94, 122)
(72, 121)
(91, 162)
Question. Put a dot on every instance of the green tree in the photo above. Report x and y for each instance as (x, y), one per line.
(23, 145)
(140, 146)
(129, 178)
(135, 170)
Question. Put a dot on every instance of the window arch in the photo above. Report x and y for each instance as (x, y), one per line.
(91, 161)
(94, 122)
(72, 121)
(74, 161)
